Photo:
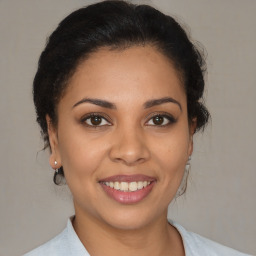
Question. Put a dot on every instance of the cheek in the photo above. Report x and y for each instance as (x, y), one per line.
(173, 150)
(81, 155)
(81, 159)
(171, 154)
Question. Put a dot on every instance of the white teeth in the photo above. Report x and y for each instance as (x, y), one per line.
(116, 185)
(133, 186)
(127, 186)
(124, 186)
(140, 185)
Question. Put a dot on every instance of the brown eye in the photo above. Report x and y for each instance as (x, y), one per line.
(161, 120)
(95, 120)
(158, 120)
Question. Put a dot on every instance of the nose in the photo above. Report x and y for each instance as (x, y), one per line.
(129, 147)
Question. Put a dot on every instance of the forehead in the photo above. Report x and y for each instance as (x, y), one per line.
(137, 72)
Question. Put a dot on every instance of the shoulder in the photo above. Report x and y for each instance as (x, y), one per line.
(66, 243)
(195, 245)
(54, 247)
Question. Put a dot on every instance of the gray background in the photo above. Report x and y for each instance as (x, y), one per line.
(220, 201)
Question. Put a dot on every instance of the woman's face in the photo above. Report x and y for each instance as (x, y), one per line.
(123, 137)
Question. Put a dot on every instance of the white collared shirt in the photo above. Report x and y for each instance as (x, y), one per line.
(67, 243)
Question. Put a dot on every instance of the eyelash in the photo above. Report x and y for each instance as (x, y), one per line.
(170, 119)
(100, 115)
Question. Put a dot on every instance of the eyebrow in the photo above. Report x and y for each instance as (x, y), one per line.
(147, 104)
(155, 102)
(98, 102)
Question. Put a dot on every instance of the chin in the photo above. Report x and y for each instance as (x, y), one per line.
(132, 219)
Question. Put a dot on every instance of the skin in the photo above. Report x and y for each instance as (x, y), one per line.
(127, 142)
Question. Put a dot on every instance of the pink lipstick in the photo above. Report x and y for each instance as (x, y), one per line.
(128, 189)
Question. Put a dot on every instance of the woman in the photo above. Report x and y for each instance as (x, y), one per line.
(118, 96)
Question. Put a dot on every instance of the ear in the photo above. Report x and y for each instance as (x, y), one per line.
(192, 129)
(53, 139)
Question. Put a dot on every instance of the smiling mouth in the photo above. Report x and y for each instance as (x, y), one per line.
(128, 189)
(127, 186)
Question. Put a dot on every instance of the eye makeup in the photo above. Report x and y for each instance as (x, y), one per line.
(160, 119)
(95, 120)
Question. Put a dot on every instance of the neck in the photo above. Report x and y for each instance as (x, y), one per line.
(156, 238)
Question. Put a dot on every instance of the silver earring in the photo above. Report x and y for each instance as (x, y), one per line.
(57, 169)
(183, 184)
(188, 165)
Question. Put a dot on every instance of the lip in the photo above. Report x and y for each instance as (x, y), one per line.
(128, 178)
(129, 197)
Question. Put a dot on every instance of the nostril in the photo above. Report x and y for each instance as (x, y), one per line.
(129, 161)
(130, 149)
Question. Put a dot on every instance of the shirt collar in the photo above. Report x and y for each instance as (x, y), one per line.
(75, 245)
